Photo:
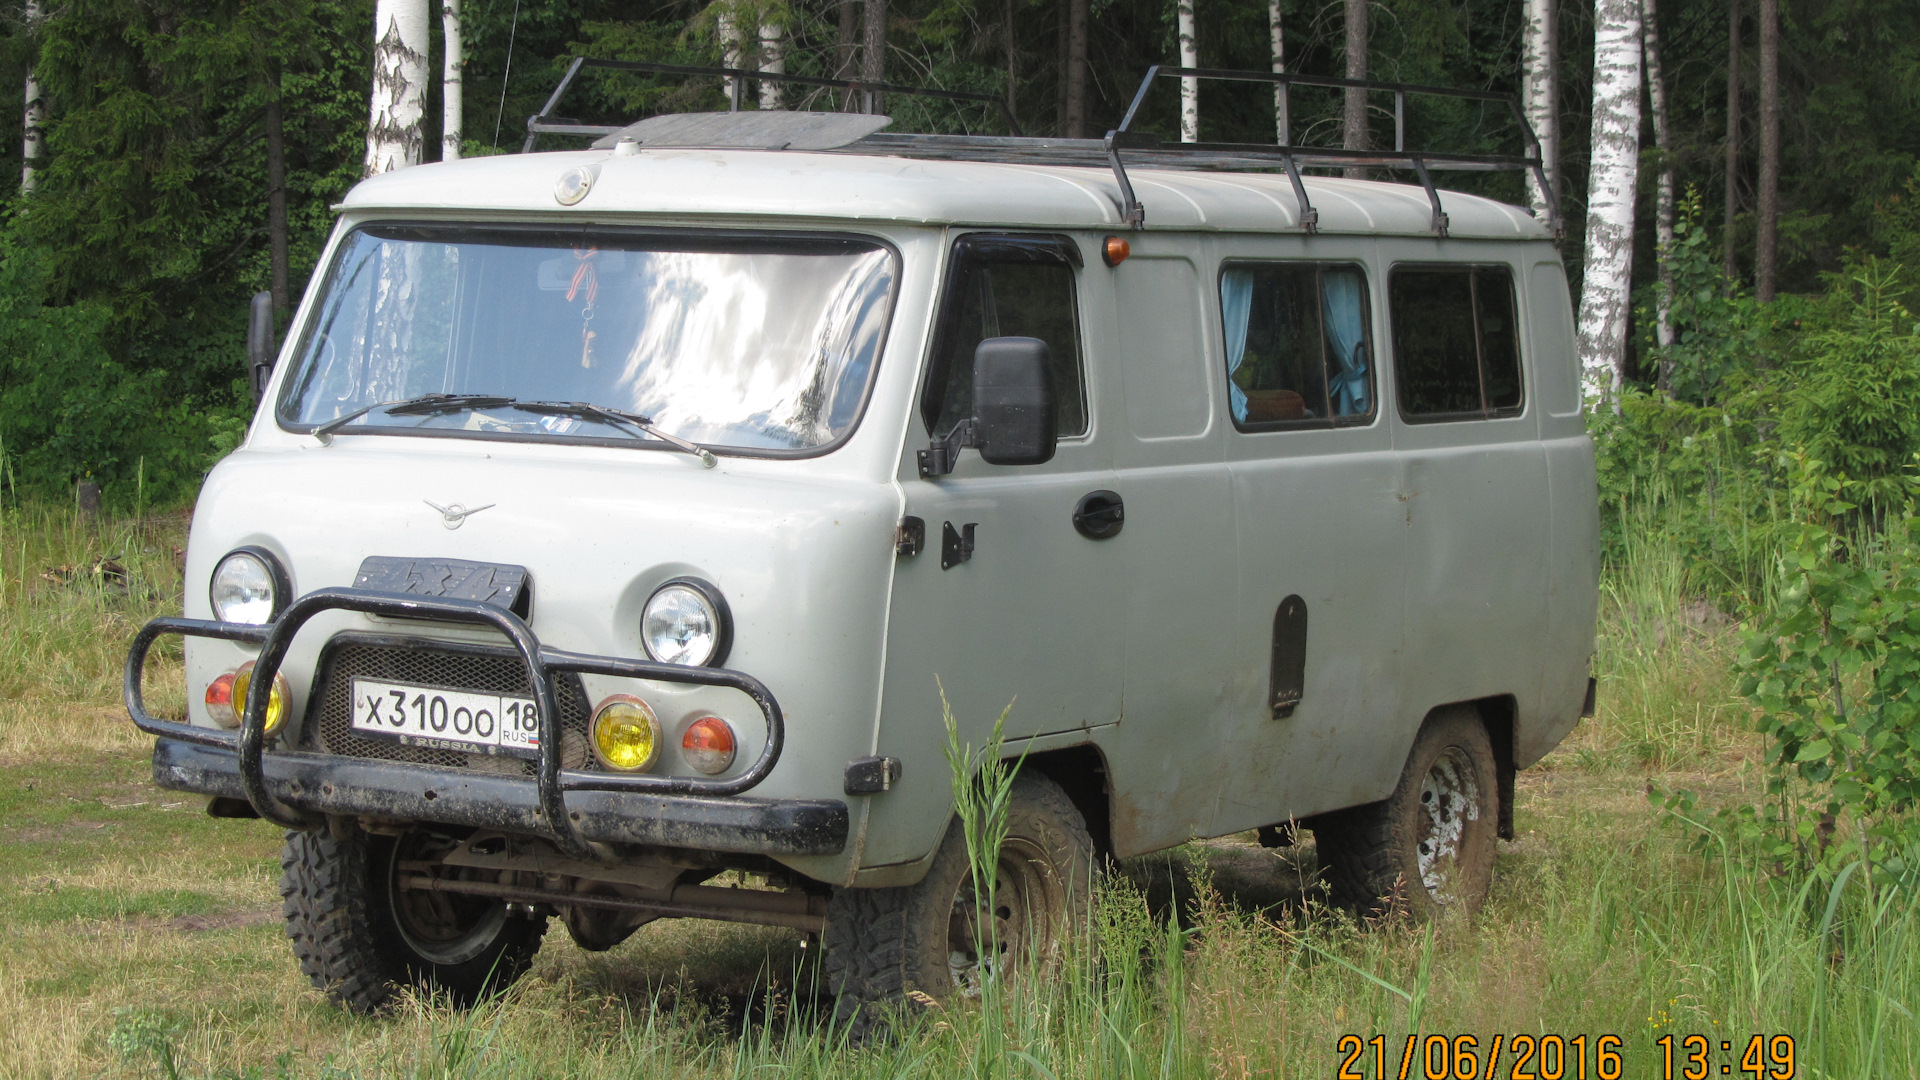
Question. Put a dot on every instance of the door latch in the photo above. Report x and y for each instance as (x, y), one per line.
(956, 545)
(910, 537)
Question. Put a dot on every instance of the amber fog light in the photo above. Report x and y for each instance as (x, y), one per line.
(220, 702)
(708, 745)
(626, 736)
(277, 697)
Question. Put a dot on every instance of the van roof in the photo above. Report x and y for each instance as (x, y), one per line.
(821, 187)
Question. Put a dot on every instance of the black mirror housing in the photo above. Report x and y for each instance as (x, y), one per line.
(1013, 401)
(260, 344)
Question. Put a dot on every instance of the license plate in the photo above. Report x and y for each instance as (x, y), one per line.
(439, 719)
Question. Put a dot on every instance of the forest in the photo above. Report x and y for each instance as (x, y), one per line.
(186, 154)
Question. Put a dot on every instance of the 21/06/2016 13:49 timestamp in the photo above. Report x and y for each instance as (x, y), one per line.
(1556, 1057)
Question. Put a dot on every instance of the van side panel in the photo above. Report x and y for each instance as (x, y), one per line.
(1479, 532)
(1574, 568)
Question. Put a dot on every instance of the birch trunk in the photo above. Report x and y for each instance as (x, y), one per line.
(1730, 260)
(1541, 96)
(773, 58)
(452, 121)
(1663, 190)
(1279, 43)
(395, 136)
(1189, 87)
(1610, 195)
(34, 117)
(873, 51)
(728, 26)
(1354, 131)
(1766, 240)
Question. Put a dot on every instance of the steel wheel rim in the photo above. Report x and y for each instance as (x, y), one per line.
(444, 928)
(1449, 805)
(1027, 896)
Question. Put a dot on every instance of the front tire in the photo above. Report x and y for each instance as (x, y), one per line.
(886, 946)
(1426, 850)
(361, 939)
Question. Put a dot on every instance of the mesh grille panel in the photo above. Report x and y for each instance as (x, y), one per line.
(329, 725)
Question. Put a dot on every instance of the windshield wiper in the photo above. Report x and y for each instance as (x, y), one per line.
(617, 418)
(425, 404)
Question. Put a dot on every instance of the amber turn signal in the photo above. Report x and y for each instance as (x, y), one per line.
(708, 745)
(220, 702)
(1115, 251)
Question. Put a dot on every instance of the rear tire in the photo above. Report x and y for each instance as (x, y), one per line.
(1426, 850)
(361, 939)
(891, 947)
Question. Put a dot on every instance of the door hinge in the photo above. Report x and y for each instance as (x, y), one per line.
(956, 545)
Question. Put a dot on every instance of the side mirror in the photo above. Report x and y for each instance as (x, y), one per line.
(1013, 401)
(260, 344)
(1012, 421)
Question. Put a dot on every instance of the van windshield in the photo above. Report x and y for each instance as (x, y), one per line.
(755, 343)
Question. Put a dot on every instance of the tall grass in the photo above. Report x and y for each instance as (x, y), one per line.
(1603, 919)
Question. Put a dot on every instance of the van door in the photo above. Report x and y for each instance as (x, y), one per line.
(1322, 535)
(1478, 507)
(1009, 606)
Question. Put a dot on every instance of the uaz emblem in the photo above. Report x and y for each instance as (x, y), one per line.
(453, 515)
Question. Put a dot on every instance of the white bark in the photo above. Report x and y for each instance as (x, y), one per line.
(1189, 87)
(395, 135)
(34, 117)
(1663, 211)
(730, 45)
(1540, 93)
(1610, 195)
(452, 125)
(773, 58)
(1279, 43)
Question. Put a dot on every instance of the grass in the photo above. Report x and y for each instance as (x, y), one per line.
(140, 938)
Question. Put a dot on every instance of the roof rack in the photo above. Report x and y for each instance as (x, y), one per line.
(1139, 146)
(545, 123)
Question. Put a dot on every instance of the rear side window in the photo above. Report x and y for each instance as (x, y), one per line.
(1297, 348)
(1007, 286)
(1455, 348)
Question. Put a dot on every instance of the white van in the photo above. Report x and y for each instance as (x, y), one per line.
(614, 519)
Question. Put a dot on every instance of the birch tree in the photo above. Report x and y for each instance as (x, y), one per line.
(1663, 190)
(1189, 86)
(34, 117)
(1354, 130)
(1610, 195)
(727, 23)
(1279, 45)
(773, 58)
(1540, 93)
(452, 126)
(395, 135)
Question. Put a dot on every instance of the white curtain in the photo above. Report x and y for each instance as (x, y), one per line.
(1236, 306)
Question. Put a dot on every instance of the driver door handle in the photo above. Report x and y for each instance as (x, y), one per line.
(1099, 515)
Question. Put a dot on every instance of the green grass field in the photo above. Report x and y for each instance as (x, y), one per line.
(139, 937)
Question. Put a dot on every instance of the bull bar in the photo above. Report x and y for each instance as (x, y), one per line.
(551, 813)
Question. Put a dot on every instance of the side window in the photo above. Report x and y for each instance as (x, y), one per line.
(1297, 348)
(1007, 286)
(1456, 348)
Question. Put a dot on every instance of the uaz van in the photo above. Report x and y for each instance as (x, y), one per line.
(617, 518)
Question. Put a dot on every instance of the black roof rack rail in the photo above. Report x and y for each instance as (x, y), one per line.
(1283, 153)
(545, 123)
(1140, 146)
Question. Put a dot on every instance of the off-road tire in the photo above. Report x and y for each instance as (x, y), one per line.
(888, 949)
(1372, 854)
(337, 897)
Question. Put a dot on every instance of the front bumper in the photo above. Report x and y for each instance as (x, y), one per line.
(353, 786)
(571, 807)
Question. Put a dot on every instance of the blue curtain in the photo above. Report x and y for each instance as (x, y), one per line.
(1346, 317)
(1236, 305)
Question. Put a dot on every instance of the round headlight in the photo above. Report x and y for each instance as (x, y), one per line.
(685, 622)
(277, 696)
(625, 734)
(247, 587)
